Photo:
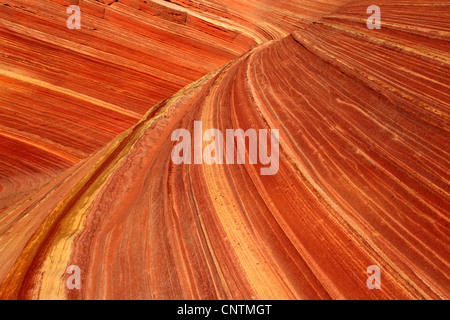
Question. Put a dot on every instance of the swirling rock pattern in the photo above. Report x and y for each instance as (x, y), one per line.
(363, 175)
(127, 56)
(66, 93)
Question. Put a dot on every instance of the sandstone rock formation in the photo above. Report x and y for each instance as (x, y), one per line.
(128, 55)
(363, 175)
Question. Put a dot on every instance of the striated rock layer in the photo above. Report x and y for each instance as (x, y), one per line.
(363, 179)
(65, 93)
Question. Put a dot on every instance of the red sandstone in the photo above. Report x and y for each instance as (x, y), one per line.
(364, 171)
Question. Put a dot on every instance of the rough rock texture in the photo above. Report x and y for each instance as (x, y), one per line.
(363, 177)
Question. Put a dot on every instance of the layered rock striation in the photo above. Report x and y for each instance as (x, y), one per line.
(362, 178)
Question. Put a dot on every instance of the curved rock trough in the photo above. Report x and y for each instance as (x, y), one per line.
(87, 176)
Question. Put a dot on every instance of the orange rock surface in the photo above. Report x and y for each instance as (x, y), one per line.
(364, 169)
(127, 56)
